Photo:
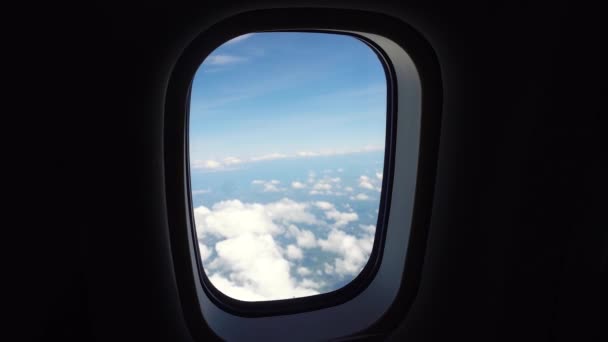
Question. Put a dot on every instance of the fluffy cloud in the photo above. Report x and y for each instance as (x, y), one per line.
(324, 205)
(204, 250)
(369, 229)
(254, 251)
(328, 268)
(360, 197)
(369, 183)
(322, 185)
(293, 252)
(352, 252)
(230, 289)
(304, 238)
(268, 186)
(340, 218)
(233, 218)
(311, 283)
(298, 185)
(288, 211)
(365, 182)
(206, 164)
(252, 268)
(325, 186)
(249, 263)
(303, 271)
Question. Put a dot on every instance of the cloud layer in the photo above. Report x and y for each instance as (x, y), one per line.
(228, 162)
(278, 250)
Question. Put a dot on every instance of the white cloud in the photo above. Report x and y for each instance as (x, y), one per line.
(268, 186)
(310, 283)
(328, 268)
(369, 228)
(352, 252)
(298, 185)
(232, 218)
(271, 156)
(304, 238)
(303, 271)
(360, 197)
(293, 252)
(249, 263)
(225, 163)
(289, 211)
(325, 186)
(365, 182)
(231, 161)
(223, 59)
(324, 205)
(341, 218)
(258, 247)
(206, 164)
(349, 189)
(379, 175)
(307, 154)
(254, 269)
(322, 186)
(204, 250)
(332, 152)
(230, 289)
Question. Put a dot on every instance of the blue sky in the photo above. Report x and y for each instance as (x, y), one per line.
(284, 93)
(286, 154)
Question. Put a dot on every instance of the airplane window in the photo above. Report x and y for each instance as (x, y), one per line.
(287, 137)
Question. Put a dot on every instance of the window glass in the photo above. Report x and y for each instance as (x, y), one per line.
(286, 141)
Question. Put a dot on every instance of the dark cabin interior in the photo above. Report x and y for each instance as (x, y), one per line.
(517, 246)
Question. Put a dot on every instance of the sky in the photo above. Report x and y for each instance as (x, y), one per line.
(286, 93)
(286, 147)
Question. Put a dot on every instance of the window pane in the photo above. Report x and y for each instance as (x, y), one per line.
(287, 134)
